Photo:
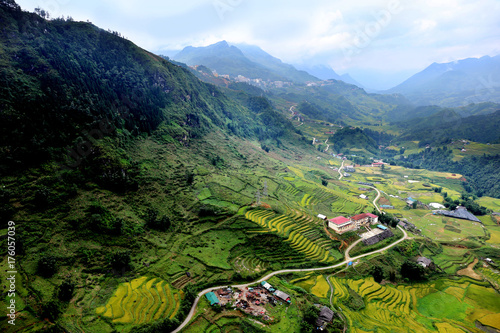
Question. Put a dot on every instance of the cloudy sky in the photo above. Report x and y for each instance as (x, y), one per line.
(379, 42)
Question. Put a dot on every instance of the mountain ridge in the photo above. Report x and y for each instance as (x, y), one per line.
(252, 62)
(470, 80)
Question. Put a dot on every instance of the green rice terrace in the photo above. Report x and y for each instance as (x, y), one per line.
(444, 305)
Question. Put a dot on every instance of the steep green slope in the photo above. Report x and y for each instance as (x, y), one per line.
(60, 79)
(447, 125)
(118, 164)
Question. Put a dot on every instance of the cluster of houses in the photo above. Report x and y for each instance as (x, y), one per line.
(342, 224)
(249, 300)
(279, 294)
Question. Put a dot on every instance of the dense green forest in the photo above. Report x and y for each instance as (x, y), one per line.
(348, 138)
(446, 125)
(62, 80)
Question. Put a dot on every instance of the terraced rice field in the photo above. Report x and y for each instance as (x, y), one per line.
(321, 287)
(491, 275)
(453, 259)
(141, 301)
(444, 305)
(297, 229)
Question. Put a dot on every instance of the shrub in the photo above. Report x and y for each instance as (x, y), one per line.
(65, 291)
(120, 260)
(47, 266)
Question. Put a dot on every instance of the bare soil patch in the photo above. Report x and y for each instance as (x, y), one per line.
(469, 271)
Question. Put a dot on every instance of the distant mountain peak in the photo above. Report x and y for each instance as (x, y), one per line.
(454, 83)
(242, 59)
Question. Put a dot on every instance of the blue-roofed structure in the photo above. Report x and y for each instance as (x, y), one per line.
(212, 298)
(380, 226)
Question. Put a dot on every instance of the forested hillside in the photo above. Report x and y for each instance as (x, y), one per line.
(481, 172)
(447, 125)
(60, 79)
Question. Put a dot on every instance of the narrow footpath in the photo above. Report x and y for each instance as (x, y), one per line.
(340, 169)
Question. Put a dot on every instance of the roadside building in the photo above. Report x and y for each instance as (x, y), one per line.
(341, 224)
(267, 286)
(325, 316)
(283, 296)
(424, 262)
(410, 201)
(212, 298)
(364, 219)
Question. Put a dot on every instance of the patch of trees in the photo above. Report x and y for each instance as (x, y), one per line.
(154, 221)
(120, 260)
(467, 202)
(409, 248)
(380, 137)
(378, 273)
(315, 111)
(412, 271)
(46, 266)
(355, 301)
(100, 220)
(348, 138)
(481, 172)
(387, 218)
(309, 318)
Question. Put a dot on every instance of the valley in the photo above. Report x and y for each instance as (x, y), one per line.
(235, 193)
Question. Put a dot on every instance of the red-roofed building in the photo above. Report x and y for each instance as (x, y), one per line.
(341, 224)
(378, 164)
(364, 219)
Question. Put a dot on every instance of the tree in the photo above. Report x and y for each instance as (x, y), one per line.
(10, 4)
(324, 182)
(308, 323)
(47, 266)
(414, 205)
(65, 290)
(120, 260)
(377, 273)
(412, 271)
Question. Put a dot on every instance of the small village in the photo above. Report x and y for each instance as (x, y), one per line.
(250, 300)
(253, 300)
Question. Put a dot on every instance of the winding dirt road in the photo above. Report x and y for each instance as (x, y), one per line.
(285, 271)
(339, 171)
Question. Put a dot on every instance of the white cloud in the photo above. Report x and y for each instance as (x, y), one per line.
(425, 25)
(418, 34)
